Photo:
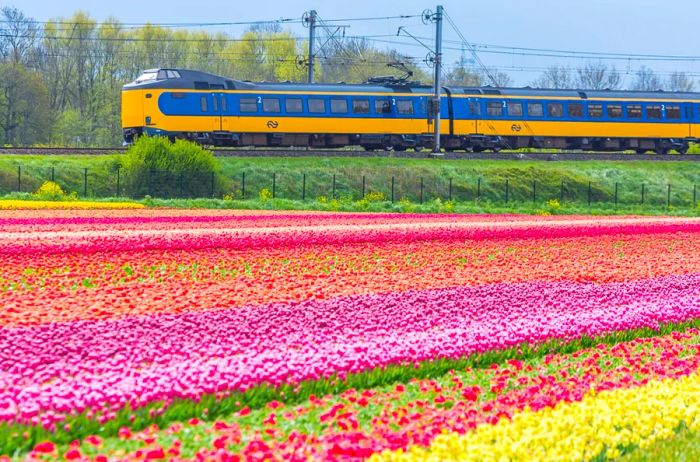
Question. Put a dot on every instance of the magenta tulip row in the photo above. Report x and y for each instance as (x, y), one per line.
(248, 238)
(51, 370)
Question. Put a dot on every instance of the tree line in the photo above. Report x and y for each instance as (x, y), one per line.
(60, 80)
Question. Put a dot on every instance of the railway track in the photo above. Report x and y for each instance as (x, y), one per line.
(298, 152)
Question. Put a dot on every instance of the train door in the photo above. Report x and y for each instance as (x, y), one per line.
(151, 113)
(691, 113)
(474, 111)
(223, 106)
(216, 112)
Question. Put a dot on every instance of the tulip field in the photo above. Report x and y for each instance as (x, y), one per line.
(144, 334)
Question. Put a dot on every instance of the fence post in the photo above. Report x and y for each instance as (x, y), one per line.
(243, 185)
(274, 184)
(589, 193)
(392, 189)
(561, 192)
(85, 183)
(19, 178)
(449, 194)
(213, 183)
(668, 196)
(181, 185)
(616, 194)
(303, 187)
(642, 193)
(148, 181)
(421, 190)
(506, 191)
(363, 186)
(695, 195)
(534, 191)
(118, 182)
(53, 173)
(333, 196)
(478, 188)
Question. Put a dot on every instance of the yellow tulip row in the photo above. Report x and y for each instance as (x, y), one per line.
(604, 422)
(13, 204)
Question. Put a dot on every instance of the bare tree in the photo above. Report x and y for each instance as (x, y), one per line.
(558, 77)
(679, 81)
(20, 38)
(647, 80)
(598, 76)
(263, 28)
(496, 78)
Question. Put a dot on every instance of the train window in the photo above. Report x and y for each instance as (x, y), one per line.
(515, 109)
(535, 109)
(474, 108)
(555, 109)
(339, 106)
(404, 106)
(634, 111)
(595, 110)
(360, 106)
(177, 95)
(293, 105)
(248, 105)
(575, 110)
(201, 85)
(271, 104)
(173, 75)
(614, 111)
(162, 75)
(317, 105)
(673, 112)
(653, 112)
(382, 106)
(215, 104)
(203, 103)
(223, 103)
(494, 108)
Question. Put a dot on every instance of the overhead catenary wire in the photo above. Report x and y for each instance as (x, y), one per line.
(484, 69)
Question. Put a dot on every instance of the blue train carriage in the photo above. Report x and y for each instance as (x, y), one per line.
(575, 119)
(214, 110)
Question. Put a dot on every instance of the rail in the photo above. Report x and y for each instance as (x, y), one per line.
(302, 152)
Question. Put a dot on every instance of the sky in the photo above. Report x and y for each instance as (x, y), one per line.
(614, 26)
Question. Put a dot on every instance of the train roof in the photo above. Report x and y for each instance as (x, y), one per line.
(190, 79)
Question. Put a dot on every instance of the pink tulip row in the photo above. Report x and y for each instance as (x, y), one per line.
(13, 243)
(55, 369)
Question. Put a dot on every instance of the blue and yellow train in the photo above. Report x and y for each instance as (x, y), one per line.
(214, 110)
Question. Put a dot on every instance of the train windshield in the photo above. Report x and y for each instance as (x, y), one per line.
(146, 76)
